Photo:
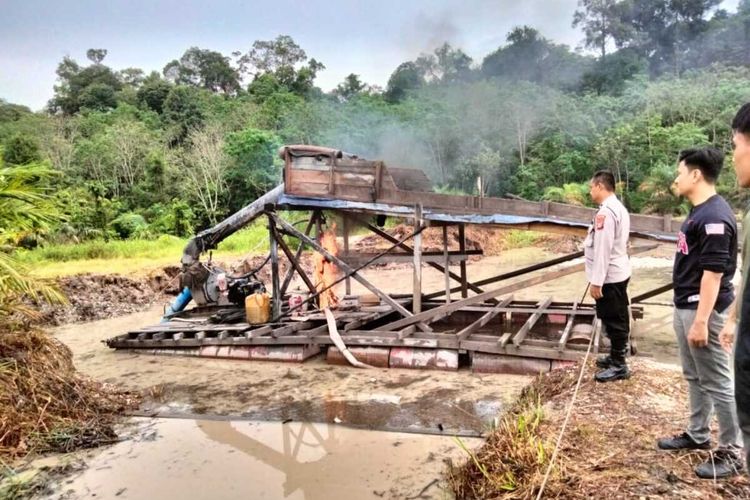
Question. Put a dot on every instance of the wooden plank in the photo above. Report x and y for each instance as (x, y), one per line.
(263, 330)
(504, 339)
(293, 261)
(275, 286)
(346, 268)
(346, 223)
(417, 285)
(434, 265)
(568, 327)
(297, 255)
(358, 259)
(486, 318)
(447, 309)
(511, 274)
(289, 329)
(463, 279)
(652, 293)
(446, 264)
(526, 328)
(596, 332)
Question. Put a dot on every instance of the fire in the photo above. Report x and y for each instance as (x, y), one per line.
(325, 271)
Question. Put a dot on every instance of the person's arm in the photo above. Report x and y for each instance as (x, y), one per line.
(715, 238)
(726, 336)
(710, 285)
(604, 241)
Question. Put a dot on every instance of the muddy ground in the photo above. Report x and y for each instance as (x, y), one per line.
(423, 402)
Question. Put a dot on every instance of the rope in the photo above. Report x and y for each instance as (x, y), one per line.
(569, 411)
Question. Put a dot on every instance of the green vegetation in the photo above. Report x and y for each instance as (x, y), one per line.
(137, 157)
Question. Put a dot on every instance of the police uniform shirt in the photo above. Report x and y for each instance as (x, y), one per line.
(606, 245)
(707, 242)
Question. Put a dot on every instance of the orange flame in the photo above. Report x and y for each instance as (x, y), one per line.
(326, 271)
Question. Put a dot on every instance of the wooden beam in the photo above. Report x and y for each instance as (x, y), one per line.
(346, 268)
(297, 255)
(486, 318)
(434, 265)
(526, 328)
(346, 223)
(293, 262)
(417, 285)
(446, 264)
(568, 328)
(447, 309)
(275, 287)
(652, 293)
(463, 279)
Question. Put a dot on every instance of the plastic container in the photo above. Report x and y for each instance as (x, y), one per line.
(258, 308)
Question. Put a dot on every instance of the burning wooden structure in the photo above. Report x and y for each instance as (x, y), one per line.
(464, 323)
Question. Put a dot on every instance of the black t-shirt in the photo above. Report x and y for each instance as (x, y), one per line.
(707, 242)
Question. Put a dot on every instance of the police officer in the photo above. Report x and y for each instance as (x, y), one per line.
(608, 273)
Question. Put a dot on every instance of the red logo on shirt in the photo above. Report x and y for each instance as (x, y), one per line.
(600, 221)
(682, 245)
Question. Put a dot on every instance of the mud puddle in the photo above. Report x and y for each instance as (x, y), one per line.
(197, 459)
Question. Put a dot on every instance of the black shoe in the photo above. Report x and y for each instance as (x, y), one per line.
(682, 442)
(604, 361)
(724, 462)
(614, 372)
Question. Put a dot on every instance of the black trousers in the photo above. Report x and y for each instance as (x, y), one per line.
(612, 309)
(742, 388)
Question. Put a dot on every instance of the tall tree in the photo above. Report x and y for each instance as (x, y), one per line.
(206, 69)
(283, 60)
(602, 21)
(93, 86)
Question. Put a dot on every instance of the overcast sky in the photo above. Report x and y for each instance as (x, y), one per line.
(369, 38)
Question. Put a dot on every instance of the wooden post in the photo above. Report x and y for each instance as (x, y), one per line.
(297, 255)
(462, 249)
(275, 288)
(447, 264)
(417, 288)
(346, 250)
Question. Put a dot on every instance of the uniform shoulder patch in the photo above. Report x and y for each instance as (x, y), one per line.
(599, 221)
(716, 228)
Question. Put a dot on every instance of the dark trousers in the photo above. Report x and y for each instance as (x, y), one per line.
(612, 309)
(742, 389)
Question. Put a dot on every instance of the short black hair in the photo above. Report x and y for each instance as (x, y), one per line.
(741, 121)
(605, 178)
(708, 160)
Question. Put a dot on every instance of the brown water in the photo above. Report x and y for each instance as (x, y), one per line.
(204, 459)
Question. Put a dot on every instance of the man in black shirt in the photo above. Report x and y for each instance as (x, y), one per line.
(704, 266)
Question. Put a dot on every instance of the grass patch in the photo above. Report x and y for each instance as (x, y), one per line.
(516, 238)
(133, 256)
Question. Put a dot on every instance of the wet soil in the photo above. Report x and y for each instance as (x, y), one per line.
(97, 296)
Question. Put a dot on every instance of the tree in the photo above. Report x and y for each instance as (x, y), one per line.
(24, 207)
(531, 57)
(205, 69)
(183, 111)
(601, 21)
(21, 150)
(283, 59)
(252, 168)
(153, 92)
(351, 87)
(205, 169)
(96, 56)
(445, 65)
(407, 77)
(93, 86)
